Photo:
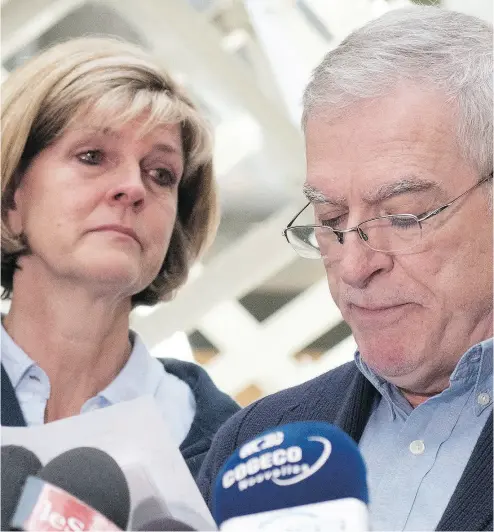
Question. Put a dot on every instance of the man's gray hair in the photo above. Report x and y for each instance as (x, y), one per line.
(429, 46)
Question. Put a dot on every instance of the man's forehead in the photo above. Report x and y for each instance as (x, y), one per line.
(412, 126)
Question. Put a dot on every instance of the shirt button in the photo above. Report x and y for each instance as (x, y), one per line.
(483, 399)
(417, 447)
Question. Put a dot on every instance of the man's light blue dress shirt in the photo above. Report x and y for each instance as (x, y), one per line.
(416, 456)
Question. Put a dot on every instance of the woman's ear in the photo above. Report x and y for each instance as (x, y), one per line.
(14, 214)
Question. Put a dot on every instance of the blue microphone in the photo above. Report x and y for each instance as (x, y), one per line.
(300, 476)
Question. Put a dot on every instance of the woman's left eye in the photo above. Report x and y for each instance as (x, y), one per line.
(91, 157)
(163, 177)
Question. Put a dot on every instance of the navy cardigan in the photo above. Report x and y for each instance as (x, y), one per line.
(345, 397)
(213, 408)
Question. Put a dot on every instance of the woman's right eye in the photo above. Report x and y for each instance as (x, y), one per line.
(91, 157)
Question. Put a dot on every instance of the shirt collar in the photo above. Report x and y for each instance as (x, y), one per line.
(397, 404)
(483, 379)
(139, 374)
(15, 361)
(474, 370)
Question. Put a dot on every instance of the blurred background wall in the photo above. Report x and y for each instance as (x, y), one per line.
(254, 314)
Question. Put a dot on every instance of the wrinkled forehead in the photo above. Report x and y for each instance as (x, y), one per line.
(385, 146)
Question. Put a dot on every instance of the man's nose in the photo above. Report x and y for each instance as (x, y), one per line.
(358, 263)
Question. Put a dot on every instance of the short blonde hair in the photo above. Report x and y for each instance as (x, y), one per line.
(117, 81)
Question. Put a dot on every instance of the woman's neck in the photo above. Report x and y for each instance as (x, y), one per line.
(80, 342)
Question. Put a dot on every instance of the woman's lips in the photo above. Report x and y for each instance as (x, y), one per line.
(118, 230)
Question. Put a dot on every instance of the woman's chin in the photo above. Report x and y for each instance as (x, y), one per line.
(125, 278)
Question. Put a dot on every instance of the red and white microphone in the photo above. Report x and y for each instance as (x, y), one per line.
(81, 489)
(46, 507)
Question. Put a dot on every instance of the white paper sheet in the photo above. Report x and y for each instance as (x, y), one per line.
(135, 435)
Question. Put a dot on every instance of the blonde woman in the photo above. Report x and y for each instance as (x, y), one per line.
(107, 200)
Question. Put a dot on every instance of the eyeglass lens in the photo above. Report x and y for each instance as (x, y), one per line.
(390, 233)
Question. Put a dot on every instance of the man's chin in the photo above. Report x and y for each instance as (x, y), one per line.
(389, 362)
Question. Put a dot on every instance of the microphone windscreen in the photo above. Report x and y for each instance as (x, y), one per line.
(298, 464)
(95, 478)
(17, 463)
(147, 510)
(165, 524)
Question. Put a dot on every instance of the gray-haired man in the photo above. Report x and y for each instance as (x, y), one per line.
(398, 127)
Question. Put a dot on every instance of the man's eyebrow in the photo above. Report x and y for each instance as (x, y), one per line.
(314, 195)
(404, 185)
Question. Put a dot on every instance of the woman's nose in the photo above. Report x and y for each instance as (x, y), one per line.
(129, 189)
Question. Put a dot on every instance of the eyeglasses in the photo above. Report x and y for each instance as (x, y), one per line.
(392, 233)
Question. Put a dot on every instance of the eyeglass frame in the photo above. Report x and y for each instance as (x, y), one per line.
(340, 232)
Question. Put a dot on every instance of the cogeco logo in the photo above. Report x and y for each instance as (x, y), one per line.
(283, 467)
